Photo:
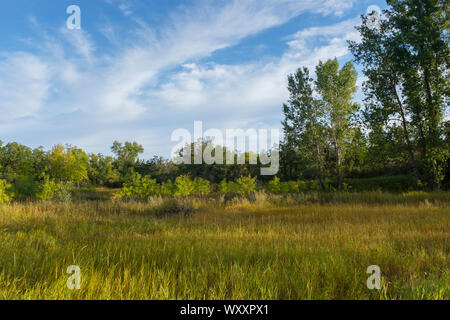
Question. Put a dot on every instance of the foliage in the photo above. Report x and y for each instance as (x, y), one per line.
(5, 194)
(391, 184)
(51, 190)
(184, 186)
(242, 186)
(202, 187)
(336, 88)
(318, 117)
(274, 186)
(304, 125)
(68, 164)
(63, 193)
(406, 63)
(140, 187)
(168, 188)
(126, 158)
(101, 170)
(246, 185)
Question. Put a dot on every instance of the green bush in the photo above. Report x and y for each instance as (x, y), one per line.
(26, 188)
(274, 186)
(184, 186)
(202, 187)
(293, 186)
(48, 190)
(168, 188)
(5, 194)
(302, 186)
(389, 184)
(140, 187)
(246, 185)
(242, 186)
(223, 187)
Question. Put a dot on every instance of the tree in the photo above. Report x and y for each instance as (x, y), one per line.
(304, 127)
(101, 170)
(406, 62)
(336, 88)
(17, 162)
(126, 157)
(68, 164)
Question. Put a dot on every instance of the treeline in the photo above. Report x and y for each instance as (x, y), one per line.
(399, 139)
(27, 173)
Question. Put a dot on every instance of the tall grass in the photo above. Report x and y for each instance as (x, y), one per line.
(265, 247)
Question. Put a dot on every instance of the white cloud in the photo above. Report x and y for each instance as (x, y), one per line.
(251, 92)
(24, 85)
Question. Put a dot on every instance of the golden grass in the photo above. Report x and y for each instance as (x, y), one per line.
(270, 248)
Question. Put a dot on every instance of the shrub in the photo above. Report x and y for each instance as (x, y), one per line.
(302, 186)
(26, 188)
(202, 187)
(391, 184)
(223, 187)
(168, 188)
(246, 185)
(140, 187)
(184, 186)
(5, 188)
(284, 188)
(277, 187)
(63, 193)
(242, 186)
(274, 186)
(147, 188)
(293, 187)
(174, 207)
(48, 190)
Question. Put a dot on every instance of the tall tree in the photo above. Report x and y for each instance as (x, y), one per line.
(336, 88)
(406, 62)
(304, 127)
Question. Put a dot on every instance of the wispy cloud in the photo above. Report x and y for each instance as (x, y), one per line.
(107, 96)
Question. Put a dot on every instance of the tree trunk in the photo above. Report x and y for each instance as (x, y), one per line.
(433, 133)
(412, 157)
(339, 160)
(319, 167)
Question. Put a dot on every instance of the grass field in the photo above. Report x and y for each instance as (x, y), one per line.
(304, 247)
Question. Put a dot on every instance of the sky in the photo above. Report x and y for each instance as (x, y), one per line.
(137, 70)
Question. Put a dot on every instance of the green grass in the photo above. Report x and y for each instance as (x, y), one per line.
(303, 247)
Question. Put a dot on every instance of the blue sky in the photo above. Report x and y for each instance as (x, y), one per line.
(140, 69)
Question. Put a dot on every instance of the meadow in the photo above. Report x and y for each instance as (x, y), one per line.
(307, 246)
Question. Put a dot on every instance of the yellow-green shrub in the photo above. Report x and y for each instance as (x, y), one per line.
(274, 186)
(202, 187)
(184, 186)
(48, 189)
(140, 188)
(5, 195)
